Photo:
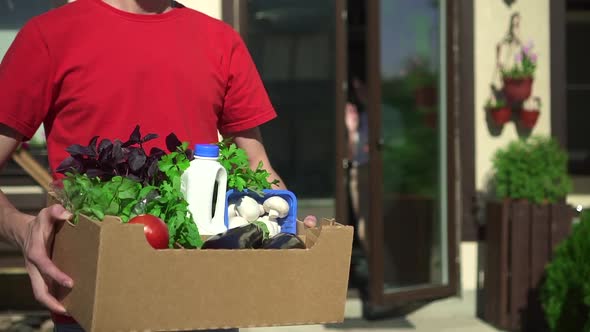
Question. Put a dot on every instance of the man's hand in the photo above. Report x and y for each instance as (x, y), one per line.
(36, 246)
(33, 235)
(310, 221)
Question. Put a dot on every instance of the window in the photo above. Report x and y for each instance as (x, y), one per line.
(578, 86)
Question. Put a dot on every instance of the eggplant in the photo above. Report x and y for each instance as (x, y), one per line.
(248, 236)
(284, 241)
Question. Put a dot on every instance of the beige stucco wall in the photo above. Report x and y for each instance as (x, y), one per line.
(209, 7)
(491, 22)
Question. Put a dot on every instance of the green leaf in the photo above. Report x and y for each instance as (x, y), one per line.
(263, 227)
(534, 169)
(96, 212)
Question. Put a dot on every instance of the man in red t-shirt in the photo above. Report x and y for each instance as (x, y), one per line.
(100, 67)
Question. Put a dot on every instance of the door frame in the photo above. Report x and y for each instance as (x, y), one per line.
(454, 165)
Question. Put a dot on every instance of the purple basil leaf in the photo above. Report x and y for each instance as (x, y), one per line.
(189, 154)
(92, 147)
(133, 177)
(118, 155)
(122, 169)
(105, 156)
(172, 142)
(136, 159)
(68, 165)
(157, 153)
(126, 152)
(95, 172)
(149, 137)
(78, 150)
(152, 169)
(134, 138)
(88, 163)
(104, 144)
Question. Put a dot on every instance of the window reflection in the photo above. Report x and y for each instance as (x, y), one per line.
(410, 111)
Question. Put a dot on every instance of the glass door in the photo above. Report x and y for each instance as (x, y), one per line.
(409, 234)
(297, 46)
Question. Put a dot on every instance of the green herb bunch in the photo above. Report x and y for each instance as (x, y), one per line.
(151, 186)
(565, 292)
(535, 170)
(240, 176)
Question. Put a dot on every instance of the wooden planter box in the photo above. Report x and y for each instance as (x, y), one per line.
(520, 239)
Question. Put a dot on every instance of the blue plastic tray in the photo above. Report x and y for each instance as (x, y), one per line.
(288, 224)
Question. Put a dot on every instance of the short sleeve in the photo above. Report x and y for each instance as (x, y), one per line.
(246, 103)
(24, 82)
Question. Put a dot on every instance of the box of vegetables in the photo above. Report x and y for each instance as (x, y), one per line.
(139, 263)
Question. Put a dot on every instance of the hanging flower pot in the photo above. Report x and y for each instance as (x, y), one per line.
(499, 111)
(517, 89)
(501, 115)
(528, 118)
(518, 79)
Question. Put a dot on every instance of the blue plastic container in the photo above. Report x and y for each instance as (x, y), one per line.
(288, 224)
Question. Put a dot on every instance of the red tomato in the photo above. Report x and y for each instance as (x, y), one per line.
(155, 230)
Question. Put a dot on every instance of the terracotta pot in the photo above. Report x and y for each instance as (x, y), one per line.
(501, 115)
(518, 89)
(528, 118)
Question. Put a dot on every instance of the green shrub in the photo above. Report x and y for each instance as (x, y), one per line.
(565, 293)
(535, 170)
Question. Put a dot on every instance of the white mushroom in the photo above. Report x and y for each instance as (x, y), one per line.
(236, 221)
(276, 207)
(231, 210)
(261, 209)
(273, 227)
(247, 207)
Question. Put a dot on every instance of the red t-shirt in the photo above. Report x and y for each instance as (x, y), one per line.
(87, 69)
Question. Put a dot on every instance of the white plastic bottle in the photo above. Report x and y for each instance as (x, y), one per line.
(198, 186)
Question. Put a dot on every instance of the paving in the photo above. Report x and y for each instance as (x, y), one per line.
(453, 314)
(448, 315)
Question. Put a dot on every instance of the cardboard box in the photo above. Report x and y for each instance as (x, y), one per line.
(123, 284)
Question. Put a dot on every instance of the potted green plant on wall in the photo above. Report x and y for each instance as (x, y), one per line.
(518, 79)
(529, 217)
(499, 110)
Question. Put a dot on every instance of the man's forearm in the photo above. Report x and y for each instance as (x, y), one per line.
(13, 224)
(274, 176)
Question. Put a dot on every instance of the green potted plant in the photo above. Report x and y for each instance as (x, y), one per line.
(534, 170)
(499, 110)
(518, 78)
(565, 294)
(527, 218)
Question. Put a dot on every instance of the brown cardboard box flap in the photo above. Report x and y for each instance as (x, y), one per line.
(122, 284)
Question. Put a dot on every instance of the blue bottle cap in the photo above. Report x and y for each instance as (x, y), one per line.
(207, 150)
